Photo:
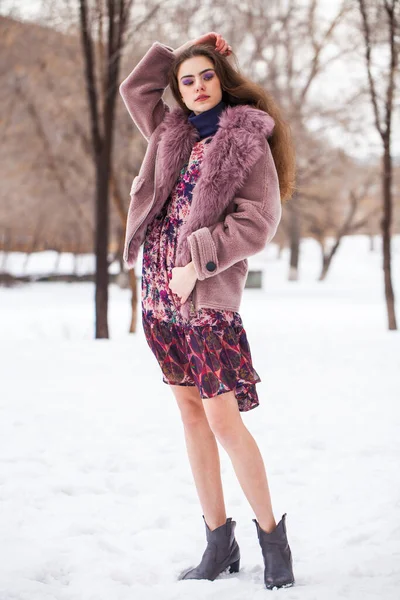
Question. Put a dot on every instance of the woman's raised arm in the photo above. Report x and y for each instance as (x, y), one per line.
(142, 90)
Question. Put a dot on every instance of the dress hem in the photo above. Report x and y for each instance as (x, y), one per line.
(239, 400)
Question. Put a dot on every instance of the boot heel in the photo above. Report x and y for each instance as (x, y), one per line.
(234, 568)
(221, 548)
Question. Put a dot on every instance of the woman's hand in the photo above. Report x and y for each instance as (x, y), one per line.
(216, 39)
(211, 38)
(183, 280)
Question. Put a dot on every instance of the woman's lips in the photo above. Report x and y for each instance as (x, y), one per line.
(202, 98)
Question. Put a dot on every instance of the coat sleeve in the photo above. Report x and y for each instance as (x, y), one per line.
(142, 90)
(246, 231)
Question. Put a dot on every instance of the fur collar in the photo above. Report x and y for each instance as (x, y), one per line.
(237, 145)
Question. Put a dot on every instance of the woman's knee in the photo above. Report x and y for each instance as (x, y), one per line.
(190, 405)
(223, 416)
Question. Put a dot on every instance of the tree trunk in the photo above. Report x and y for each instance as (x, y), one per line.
(386, 235)
(384, 128)
(371, 242)
(102, 127)
(101, 243)
(327, 259)
(294, 232)
(57, 262)
(133, 284)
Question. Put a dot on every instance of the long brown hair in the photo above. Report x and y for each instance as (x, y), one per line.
(237, 89)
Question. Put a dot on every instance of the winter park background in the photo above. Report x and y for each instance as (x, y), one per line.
(97, 500)
(96, 493)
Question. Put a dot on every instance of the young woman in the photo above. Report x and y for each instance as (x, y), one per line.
(208, 196)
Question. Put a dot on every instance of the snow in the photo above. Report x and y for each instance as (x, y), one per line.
(97, 499)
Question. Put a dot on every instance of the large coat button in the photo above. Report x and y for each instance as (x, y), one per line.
(211, 266)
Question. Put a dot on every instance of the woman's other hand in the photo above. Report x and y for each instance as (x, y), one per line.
(216, 39)
(183, 280)
(213, 39)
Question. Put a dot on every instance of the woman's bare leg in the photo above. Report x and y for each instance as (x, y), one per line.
(226, 422)
(203, 454)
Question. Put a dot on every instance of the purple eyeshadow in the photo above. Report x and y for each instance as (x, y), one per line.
(207, 76)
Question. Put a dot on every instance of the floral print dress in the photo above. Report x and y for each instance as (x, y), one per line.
(210, 349)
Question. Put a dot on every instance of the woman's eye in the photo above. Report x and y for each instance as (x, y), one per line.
(207, 77)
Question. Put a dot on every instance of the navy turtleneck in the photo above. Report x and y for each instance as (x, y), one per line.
(206, 122)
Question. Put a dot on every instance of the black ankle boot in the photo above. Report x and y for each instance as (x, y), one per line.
(222, 552)
(277, 556)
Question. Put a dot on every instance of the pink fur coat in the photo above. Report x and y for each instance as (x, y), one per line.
(236, 206)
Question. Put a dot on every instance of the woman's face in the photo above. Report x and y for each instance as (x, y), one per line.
(197, 77)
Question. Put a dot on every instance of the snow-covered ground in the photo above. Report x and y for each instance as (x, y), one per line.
(97, 500)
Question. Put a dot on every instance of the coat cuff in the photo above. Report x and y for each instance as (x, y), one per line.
(204, 253)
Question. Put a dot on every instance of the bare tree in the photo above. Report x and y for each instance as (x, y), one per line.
(383, 102)
(351, 222)
(107, 20)
(338, 198)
